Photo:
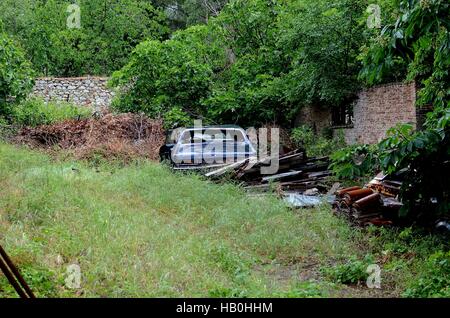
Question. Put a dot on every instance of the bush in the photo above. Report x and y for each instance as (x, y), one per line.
(352, 272)
(304, 137)
(355, 161)
(35, 112)
(435, 280)
(176, 117)
(7, 130)
(423, 155)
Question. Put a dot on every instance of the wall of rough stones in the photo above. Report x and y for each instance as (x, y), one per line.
(83, 91)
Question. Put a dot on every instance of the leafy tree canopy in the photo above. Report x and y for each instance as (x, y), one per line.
(109, 32)
(280, 55)
(416, 46)
(15, 74)
(183, 13)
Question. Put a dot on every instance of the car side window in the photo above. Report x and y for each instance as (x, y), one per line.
(212, 135)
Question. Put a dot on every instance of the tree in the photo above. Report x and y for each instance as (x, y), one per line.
(419, 42)
(170, 79)
(277, 56)
(324, 40)
(15, 74)
(185, 13)
(109, 32)
(289, 54)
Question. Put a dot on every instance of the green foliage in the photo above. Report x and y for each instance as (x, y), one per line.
(434, 280)
(173, 75)
(40, 280)
(321, 40)
(176, 117)
(303, 136)
(109, 32)
(418, 44)
(15, 74)
(184, 13)
(355, 161)
(35, 112)
(351, 272)
(258, 61)
(424, 157)
(6, 131)
(315, 145)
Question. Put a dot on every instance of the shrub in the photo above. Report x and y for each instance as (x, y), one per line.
(351, 272)
(175, 118)
(315, 145)
(423, 155)
(435, 280)
(7, 131)
(355, 161)
(35, 112)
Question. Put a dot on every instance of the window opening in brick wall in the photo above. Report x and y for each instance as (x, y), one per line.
(342, 116)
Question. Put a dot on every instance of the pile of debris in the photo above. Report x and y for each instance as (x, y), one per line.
(376, 204)
(123, 136)
(296, 174)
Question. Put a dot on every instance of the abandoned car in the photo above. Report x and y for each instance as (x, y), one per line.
(207, 146)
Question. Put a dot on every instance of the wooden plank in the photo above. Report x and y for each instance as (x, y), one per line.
(281, 176)
(222, 171)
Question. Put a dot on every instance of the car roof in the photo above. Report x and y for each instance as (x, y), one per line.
(214, 127)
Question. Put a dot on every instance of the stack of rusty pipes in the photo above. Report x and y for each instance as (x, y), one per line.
(361, 206)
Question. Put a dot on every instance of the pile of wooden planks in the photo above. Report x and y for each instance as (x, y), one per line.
(296, 172)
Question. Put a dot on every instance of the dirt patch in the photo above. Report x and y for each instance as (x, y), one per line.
(124, 136)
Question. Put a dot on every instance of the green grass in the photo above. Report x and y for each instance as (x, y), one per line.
(143, 231)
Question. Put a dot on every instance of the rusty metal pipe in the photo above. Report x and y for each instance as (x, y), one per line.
(11, 273)
(370, 201)
(12, 280)
(355, 195)
(340, 193)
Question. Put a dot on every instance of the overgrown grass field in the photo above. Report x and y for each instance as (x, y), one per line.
(144, 231)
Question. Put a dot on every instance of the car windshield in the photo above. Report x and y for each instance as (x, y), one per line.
(212, 135)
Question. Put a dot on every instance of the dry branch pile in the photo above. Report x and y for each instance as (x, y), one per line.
(123, 136)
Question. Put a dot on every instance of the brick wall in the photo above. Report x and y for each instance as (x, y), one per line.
(375, 111)
(82, 91)
(379, 109)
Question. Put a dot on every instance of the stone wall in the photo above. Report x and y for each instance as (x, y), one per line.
(380, 108)
(316, 117)
(82, 91)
